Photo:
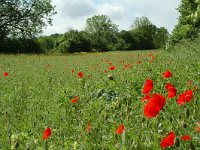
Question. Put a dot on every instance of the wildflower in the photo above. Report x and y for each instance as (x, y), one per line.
(148, 86)
(47, 134)
(171, 90)
(5, 74)
(120, 129)
(112, 68)
(72, 70)
(146, 97)
(168, 85)
(189, 82)
(80, 74)
(185, 97)
(154, 105)
(125, 67)
(75, 99)
(168, 141)
(185, 137)
(152, 58)
(88, 127)
(167, 74)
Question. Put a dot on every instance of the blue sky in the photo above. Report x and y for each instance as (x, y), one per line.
(73, 13)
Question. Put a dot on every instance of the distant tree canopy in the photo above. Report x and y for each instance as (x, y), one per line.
(102, 33)
(143, 35)
(188, 26)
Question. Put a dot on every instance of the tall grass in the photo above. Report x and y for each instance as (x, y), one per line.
(38, 91)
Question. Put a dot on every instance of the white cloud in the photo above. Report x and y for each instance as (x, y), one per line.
(73, 13)
(77, 8)
(113, 11)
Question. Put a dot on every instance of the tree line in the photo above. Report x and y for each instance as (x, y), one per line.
(100, 34)
(22, 21)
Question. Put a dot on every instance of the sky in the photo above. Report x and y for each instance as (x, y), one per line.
(74, 13)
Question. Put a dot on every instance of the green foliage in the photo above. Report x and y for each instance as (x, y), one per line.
(73, 41)
(189, 22)
(102, 33)
(20, 45)
(143, 35)
(46, 43)
(22, 18)
(161, 37)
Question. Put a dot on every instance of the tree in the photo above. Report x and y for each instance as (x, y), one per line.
(102, 32)
(74, 41)
(188, 26)
(46, 43)
(125, 40)
(24, 18)
(143, 32)
(161, 37)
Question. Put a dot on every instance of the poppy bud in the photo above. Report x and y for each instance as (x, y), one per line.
(110, 77)
(177, 143)
(187, 113)
(192, 146)
(184, 125)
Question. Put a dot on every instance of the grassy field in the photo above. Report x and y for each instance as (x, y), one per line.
(38, 92)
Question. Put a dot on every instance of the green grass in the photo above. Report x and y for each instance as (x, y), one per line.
(38, 91)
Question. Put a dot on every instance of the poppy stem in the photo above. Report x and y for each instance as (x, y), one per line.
(46, 145)
(123, 140)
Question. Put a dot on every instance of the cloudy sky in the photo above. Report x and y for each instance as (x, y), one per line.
(73, 13)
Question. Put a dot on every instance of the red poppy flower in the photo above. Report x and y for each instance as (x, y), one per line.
(112, 68)
(168, 85)
(5, 74)
(148, 86)
(189, 82)
(88, 127)
(171, 90)
(154, 105)
(75, 99)
(72, 70)
(185, 97)
(120, 129)
(152, 58)
(47, 134)
(185, 137)
(168, 141)
(80, 74)
(146, 97)
(125, 67)
(167, 74)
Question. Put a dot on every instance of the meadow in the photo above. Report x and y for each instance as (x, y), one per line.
(94, 101)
